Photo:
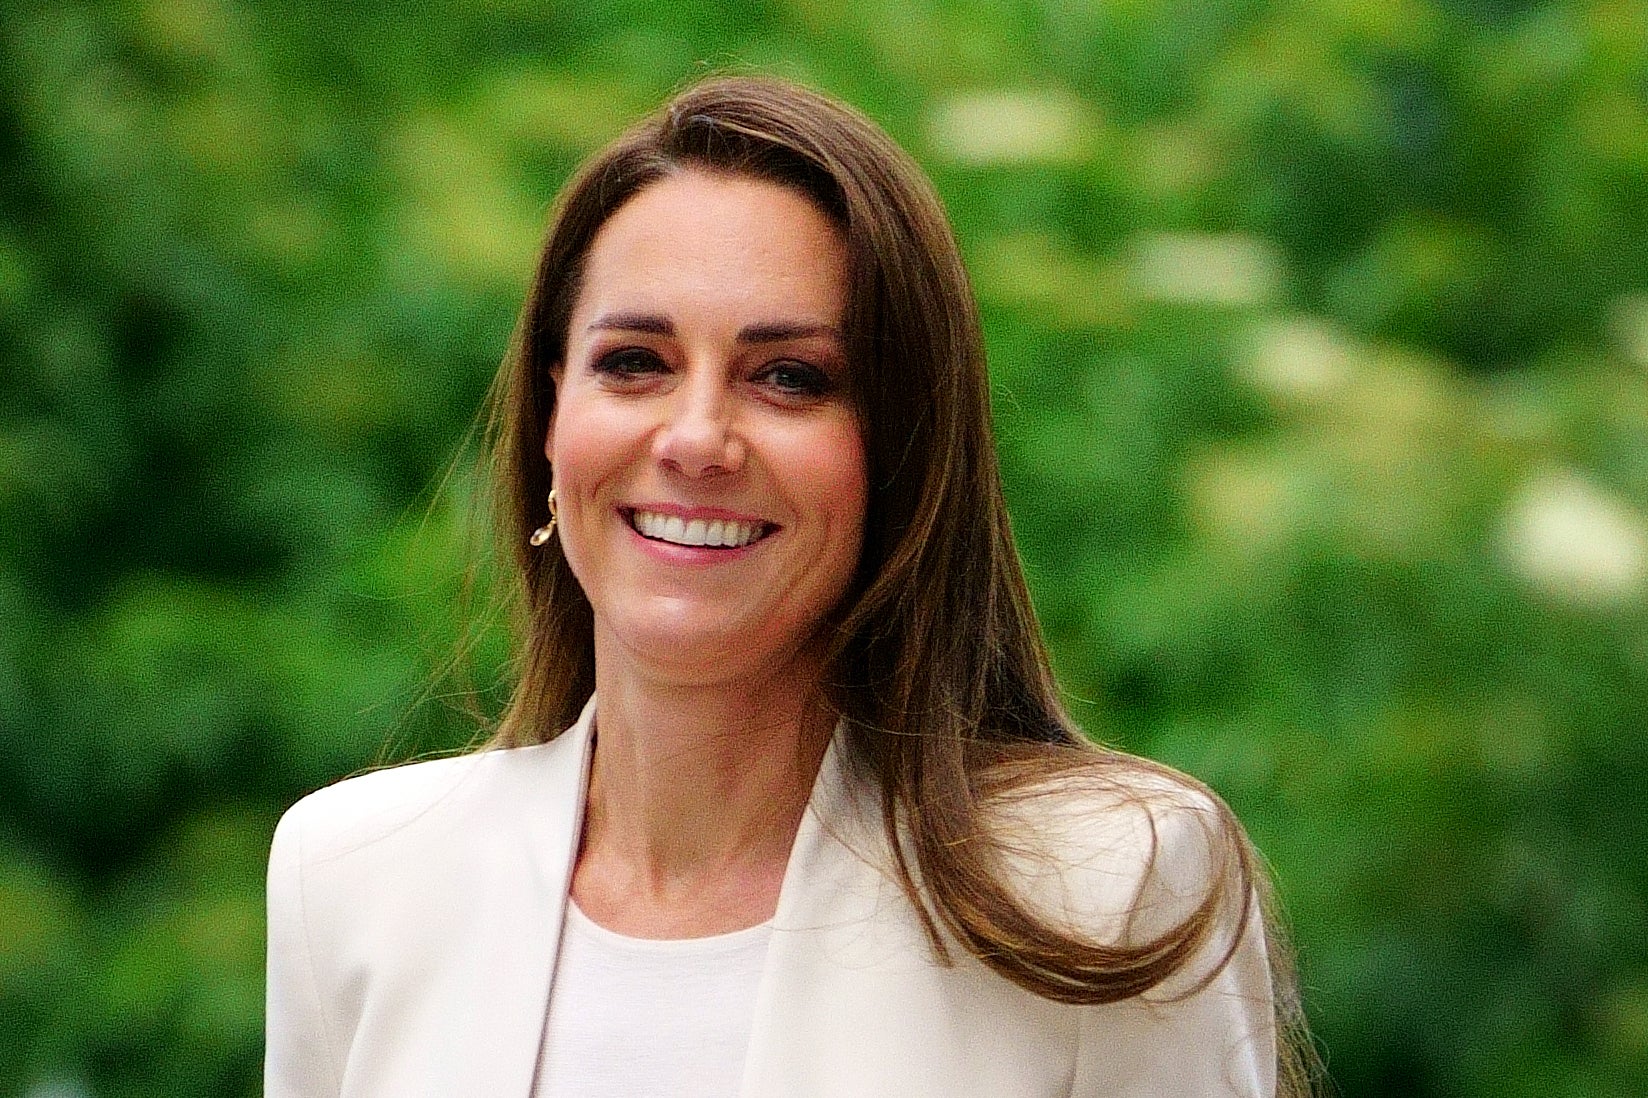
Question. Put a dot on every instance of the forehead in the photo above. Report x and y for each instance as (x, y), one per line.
(715, 244)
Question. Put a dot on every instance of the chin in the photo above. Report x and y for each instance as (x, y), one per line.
(701, 643)
(712, 635)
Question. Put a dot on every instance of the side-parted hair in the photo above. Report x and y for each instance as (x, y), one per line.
(936, 661)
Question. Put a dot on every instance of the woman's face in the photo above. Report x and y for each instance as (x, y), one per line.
(708, 465)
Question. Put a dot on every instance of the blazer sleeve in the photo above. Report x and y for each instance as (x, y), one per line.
(299, 1057)
(1212, 1041)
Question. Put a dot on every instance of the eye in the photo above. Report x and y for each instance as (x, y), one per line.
(795, 379)
(629, 362)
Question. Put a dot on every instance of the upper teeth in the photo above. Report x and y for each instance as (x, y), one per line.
(725, 532)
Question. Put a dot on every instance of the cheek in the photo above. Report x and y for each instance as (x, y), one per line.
(584, 451)
(834, 465)
(583, 443)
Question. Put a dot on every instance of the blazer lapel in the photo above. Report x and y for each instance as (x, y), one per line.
(519, 931)
(834, 885)
(852, 1003)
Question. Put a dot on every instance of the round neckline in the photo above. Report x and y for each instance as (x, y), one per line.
(730, 941)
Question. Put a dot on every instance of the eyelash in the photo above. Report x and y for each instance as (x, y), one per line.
(632, 362)
(814, 382)
(628, 362)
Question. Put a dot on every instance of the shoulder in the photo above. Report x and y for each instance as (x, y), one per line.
(358, 807)
(1115, 847)
(367, 809)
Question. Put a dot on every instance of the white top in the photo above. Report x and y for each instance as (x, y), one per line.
(649, 1018)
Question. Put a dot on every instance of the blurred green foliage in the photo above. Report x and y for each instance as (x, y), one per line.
(1320, 336)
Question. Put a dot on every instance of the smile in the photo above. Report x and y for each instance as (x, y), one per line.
(710, 533)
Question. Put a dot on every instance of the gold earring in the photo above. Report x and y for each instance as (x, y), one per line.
(547, 530)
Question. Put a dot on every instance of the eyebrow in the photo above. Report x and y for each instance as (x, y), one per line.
(772, 331)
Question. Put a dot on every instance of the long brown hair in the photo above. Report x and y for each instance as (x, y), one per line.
(937, 664)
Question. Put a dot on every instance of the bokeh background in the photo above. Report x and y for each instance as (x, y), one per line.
(1319, 332)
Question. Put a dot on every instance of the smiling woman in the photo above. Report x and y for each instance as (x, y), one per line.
(784, 802)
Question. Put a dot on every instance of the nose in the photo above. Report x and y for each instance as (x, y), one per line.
(699, 437)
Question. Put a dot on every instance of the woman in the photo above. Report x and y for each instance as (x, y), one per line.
(827, 829)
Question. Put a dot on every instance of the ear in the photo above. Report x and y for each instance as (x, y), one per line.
(549, 428)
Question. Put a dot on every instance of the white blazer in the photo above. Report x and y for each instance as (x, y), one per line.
(414, 915)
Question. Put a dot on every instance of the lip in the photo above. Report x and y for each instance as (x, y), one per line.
(671, 553)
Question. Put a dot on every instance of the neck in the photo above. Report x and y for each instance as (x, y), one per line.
(696, 790)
